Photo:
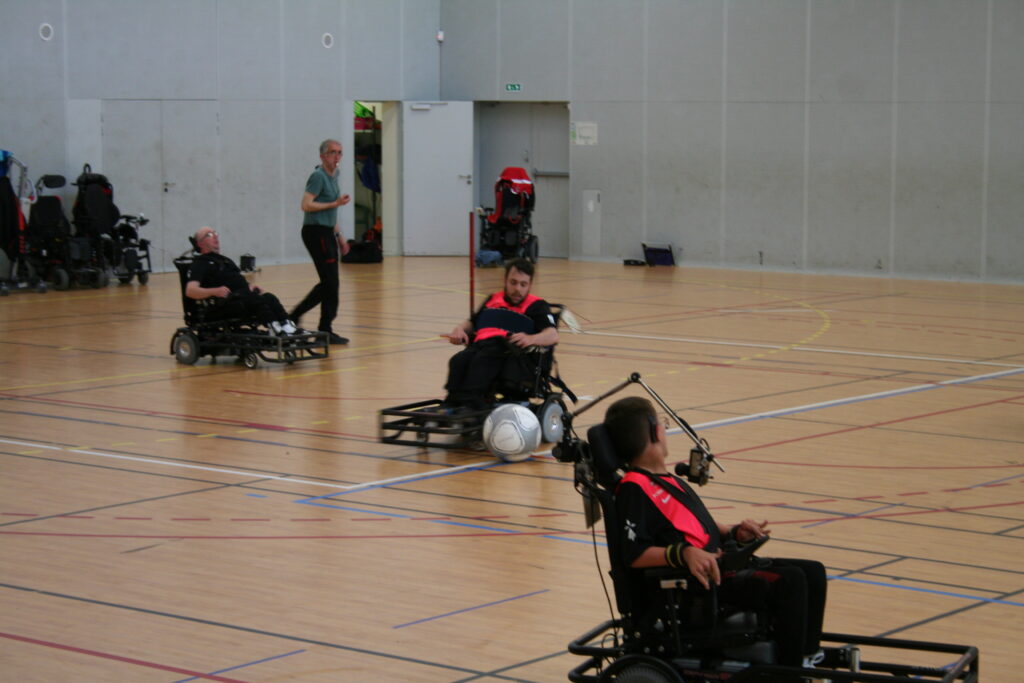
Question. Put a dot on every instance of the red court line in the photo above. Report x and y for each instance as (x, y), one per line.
(847, 430)
(119, 658)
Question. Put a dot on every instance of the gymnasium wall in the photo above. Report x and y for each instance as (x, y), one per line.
(858, 136)
(855, 136)
(206, 111)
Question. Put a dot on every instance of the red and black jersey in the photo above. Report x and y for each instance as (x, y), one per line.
(498, 318)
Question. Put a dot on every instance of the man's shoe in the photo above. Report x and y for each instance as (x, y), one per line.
(276, 328)
(288, 327)
(336, 338)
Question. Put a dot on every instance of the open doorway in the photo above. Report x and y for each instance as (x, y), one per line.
(367, 199)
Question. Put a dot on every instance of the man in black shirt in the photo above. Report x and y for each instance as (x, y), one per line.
(215, 276)
(511, 318)
(664, 523)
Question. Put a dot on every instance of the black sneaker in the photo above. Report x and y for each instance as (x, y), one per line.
(336, 338)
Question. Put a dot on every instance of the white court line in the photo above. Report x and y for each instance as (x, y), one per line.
(837, 402)
(810, 349)
(260, 475)
(420, 475)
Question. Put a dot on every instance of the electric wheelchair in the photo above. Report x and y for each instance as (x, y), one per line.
(529, 377)
(208, 333)
(675, 631)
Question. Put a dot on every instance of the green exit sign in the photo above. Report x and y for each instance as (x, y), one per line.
(513, 87)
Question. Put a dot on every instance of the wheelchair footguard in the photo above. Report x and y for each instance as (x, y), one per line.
(842, 661)
(249, 345)
(413, 424)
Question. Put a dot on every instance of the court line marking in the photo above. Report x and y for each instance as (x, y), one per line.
(247, 664)
(810, 349)
(341, 488)
(262, 476)
(972, 598)
(117, 658)
(470, 609)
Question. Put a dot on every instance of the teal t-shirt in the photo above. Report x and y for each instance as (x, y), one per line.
(324, 188)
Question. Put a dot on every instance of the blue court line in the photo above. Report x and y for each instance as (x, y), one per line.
(470, 609)
(241, 666)
(947, 594)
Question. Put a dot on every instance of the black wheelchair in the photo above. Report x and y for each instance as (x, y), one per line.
(530, 377)
(207, 333)
(682, 634)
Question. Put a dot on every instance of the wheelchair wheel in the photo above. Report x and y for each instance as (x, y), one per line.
(532, 249)
(143, 277)
(641, 669)
(61, 279)
(250, 360)
(124, 279)
(186, 348)
(550, 417)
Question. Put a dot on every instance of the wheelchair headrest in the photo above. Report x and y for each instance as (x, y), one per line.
(192, 241)
(606, 461)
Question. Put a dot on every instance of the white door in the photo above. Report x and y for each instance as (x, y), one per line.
(437, 180)
(549, 141)
(535, 136)
(161, 159)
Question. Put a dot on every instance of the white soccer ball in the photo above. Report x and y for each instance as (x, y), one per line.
(512, 432)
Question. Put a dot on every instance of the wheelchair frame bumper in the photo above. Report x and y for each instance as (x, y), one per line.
(250, 345)
(842, 662)
(412, 424)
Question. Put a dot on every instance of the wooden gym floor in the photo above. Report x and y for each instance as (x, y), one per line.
(161, 522)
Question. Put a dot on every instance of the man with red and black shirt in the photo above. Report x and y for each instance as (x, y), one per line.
(512, 317)
(664, 523)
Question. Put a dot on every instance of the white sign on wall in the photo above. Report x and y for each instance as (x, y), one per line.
(583, 132)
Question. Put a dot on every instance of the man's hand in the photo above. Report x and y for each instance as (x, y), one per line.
(458, 336)
(342, 200)
(343, 244)
(703, 565)
(220, 292)
(522, 340)
(749, 529)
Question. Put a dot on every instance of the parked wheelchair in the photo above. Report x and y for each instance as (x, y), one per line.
(682, 634)
(507, 228)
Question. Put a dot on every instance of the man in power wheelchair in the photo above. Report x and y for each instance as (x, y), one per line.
(509, 357)
(695, 604)
(225, 315)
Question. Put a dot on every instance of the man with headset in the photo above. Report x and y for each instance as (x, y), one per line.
(666, 524)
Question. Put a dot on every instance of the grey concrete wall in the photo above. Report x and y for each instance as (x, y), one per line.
(859, 136)
(855, 136)
(224, 100)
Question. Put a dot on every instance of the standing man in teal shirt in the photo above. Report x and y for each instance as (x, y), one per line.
(322, 236)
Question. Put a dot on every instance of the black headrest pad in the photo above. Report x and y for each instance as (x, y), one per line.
(192, 241)
(606, 460)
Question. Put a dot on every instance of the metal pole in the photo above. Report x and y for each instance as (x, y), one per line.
(472, 266)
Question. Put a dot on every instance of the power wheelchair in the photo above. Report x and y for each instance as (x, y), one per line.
(683, 635)
(530, 377)
(206, 333)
